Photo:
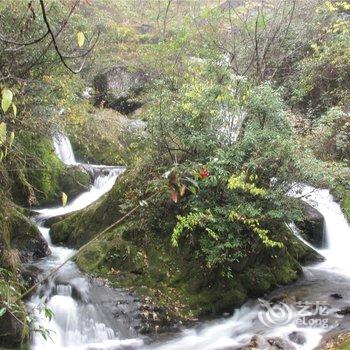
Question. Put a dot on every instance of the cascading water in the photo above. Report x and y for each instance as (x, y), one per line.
(82, 315)
(64, 149)
(82, 319)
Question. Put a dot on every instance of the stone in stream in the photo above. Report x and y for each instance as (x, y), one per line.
(336, 296)
(279, 344)
(345, 311)
(255, 343)
(312, 225)
(25, 237)
(297, 338)
(74, 180)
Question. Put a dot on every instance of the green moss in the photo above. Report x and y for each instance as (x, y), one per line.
(345, 346)
(341, 188)
(40, 176)
(345, 203)
(74, 180)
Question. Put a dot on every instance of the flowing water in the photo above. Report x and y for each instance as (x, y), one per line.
(83, 318)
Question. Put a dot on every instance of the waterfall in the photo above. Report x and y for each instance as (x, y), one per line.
(81, 318)
(64, 149)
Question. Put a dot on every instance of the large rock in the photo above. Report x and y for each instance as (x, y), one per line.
(74, 180)
(312, 225)
(119, 87)
(11, 332)
(25, 237)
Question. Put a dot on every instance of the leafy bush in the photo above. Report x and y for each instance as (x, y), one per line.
(333, 135)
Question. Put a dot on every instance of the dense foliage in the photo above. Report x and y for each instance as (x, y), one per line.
(240, 102)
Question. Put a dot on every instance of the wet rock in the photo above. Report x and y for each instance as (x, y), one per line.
(74, 180)
(11, 331)
(30, 276)
(283, 298)
(336, 296)
(255, 343)
(55, 219)
(119, 88)
(279, 344)
(335, 341)
(26, 238)
(297, 338)
(312, 225)
(344, 311)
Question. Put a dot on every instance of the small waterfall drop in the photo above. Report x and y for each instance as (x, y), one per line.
(64, 149)
(337, 230)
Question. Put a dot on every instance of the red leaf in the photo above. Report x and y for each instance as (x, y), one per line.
(174, 197)
(203, 173)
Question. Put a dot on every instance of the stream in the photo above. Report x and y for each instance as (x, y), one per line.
(84, 319)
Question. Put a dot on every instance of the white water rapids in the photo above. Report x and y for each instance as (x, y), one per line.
(81, 322)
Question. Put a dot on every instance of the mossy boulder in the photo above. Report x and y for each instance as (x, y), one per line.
(74, 180)
(19, 233)
(139, 255)
(119, 88)
(36, 183)
(105, 136)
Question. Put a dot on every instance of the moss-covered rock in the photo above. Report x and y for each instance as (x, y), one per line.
(341, 189)
(105, 136)
(74, 180)
(36, 182)
(139, 255)
(19, 234)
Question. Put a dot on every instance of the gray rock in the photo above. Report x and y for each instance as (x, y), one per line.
(297, 338)
(119, 87)
(279, 344)
(11, 332)
(312, 225)
(74, 180)
(26, 238)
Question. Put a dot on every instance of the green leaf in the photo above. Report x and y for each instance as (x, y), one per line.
(2, 311)
(81, 39)
(14, 109)
(6, 100)
(64, 199)
(1, 156)
(3, 131)
(11, 138)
